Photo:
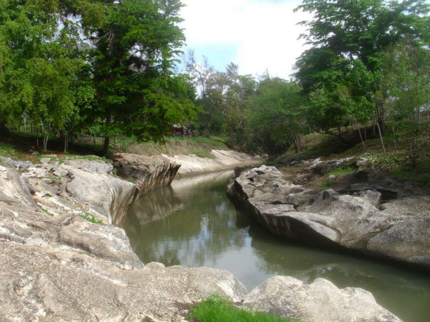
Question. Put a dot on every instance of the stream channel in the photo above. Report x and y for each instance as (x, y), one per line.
(193, 223)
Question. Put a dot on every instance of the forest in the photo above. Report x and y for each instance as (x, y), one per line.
(112, 67)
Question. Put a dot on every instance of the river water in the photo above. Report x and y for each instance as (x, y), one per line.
(192, 223)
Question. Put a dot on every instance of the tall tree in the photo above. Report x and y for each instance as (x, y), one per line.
(276, 123)
(346, 31)
(239, 99)
(406, 77)
(40, 49)
(133, 61)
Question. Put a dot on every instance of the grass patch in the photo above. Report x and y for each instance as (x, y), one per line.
(421, 173)
(91, 218)
(10, 151)
(220, 310)
(86, 157)
(202, 154)
(177, 145)
(326, 185)
(341, 171)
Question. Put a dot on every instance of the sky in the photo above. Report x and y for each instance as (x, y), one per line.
(258, 35)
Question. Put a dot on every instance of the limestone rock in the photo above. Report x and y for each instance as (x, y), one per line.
(222, 160)
(89, 166)
(320, 301)
(41, 282)
(105, 194)
(148, 172)
(61, 267)
(375, 215)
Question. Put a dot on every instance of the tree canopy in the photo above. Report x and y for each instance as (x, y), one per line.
(69, 62)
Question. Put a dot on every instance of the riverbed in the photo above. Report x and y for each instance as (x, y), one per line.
(192, 223)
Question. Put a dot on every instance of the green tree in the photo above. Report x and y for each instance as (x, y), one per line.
(239, 98)
(276, 122)
(133, 61)
(40, 49)
(406, 78)
(345, 32)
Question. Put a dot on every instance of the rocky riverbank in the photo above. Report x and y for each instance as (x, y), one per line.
(368, 212)
(63, 260)
(221, 160)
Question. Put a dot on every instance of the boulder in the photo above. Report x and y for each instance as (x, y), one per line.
(320, 301)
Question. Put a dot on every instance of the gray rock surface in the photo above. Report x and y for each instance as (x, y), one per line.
(147, 172)
(395, 228)
(320, 301)
(222, 160)
(57, 266)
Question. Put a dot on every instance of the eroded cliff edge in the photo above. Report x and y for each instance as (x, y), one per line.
(356, 217)
(57, 265)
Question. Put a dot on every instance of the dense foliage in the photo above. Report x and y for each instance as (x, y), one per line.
(106, 67)
(367, 65)
(99, 64)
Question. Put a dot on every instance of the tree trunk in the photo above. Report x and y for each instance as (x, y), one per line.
(380, 136)
(45, 137)
(4, 131)
(106, 144)
(45, 140)
(341, 138)
(206, 130)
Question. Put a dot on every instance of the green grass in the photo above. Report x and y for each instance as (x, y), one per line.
(202, 154)
(341, 171)
(326, 185)
(10, 151)
(217, 309)
(177, 145)
(421, 173)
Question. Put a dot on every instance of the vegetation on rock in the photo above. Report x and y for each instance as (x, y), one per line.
(218, 309)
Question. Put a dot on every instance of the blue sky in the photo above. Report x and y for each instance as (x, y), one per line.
(255, 34)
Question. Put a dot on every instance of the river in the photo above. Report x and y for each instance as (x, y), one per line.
(192, 223)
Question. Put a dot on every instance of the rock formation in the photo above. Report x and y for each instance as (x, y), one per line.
(222, 160)
(59, 266)
(320, 301)
(359, 217)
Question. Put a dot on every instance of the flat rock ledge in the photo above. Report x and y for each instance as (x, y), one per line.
(359, 218)
(58, 266)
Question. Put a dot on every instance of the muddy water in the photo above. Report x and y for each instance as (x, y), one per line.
(192, 223)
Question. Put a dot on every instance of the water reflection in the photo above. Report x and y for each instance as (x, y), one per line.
(193, 223)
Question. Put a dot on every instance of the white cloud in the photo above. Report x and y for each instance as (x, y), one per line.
(265, 34)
